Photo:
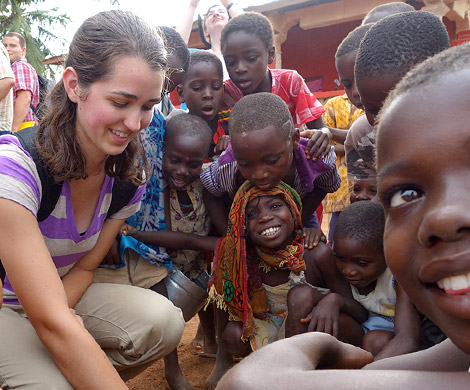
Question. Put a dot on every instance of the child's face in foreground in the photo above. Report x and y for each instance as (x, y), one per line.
(264, 156)
(345, 69)
(247, 59)
(424, 184)
(361, 264)
(364, 189)
(182, 160)
(373, 91)
(270, 222)
(112, 111)
(202, 90)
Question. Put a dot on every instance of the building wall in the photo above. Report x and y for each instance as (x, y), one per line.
(312, 52)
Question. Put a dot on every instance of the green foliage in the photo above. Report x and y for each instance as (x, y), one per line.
(21, 16)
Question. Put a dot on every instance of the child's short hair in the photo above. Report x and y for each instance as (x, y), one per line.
(258, 111)
(449, 61)
(176, 45)
(253, 23)
(352, 40)
(363, 221)
(188, 124)
(396, 43)
(199, 56)
(392, 8)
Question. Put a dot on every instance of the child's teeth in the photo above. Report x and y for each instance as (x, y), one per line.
(269, 231)
(458, 282)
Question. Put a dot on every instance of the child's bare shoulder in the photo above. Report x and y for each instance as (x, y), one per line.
(318, 260)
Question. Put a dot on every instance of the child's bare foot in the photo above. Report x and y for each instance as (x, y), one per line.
(198, 341)
(220, 368)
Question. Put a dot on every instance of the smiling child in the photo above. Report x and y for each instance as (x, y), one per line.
(257, 262)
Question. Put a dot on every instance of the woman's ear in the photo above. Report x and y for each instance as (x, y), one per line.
(271, 54)
(70, 79)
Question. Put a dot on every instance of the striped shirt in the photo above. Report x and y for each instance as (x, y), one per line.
(20, 183)
(220, 176)
(26, 79)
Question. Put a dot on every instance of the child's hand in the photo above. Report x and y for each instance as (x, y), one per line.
(325, 316)
(129, 230)
(319, 143)
(312, 236)
(222, 144)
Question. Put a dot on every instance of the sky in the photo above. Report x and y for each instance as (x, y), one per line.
(155, 12)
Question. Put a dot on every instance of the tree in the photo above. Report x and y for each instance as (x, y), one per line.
(35, 25)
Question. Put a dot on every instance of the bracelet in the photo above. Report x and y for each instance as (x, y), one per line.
(230, 5)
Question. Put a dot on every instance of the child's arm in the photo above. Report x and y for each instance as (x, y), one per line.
(310, 202)
(303, 354)
(216, 208)
(325, 315)
(173, 240)
(407, 327)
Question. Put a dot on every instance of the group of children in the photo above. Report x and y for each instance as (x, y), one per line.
(269, 281)
(233, 181)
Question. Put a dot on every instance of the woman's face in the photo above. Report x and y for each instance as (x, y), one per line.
(112, 111)
(216, 19)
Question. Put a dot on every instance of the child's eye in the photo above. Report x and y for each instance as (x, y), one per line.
(251, 214)
(252, 58)
(216, 87)
(229, 63)
(196, 89)
(400, 196)
(276, 206)
(373, 191)
(272, 162)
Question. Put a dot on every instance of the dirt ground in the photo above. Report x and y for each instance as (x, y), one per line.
(195, 368)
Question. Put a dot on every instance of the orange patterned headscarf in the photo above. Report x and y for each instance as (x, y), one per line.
(237, 280)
